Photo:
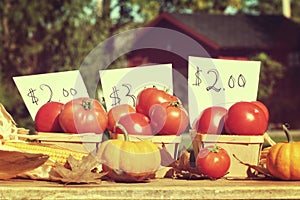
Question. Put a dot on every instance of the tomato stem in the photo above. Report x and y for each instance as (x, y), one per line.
(175, 104)
(87, 104)
(214, 149)
(287, 132)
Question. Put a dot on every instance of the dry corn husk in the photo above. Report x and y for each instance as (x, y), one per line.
(13, 163)
(8, 126)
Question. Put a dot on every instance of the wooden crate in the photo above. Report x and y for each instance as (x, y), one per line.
(245, 148)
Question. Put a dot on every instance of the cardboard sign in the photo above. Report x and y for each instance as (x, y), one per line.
(36, 90)
(121, 86)
(218, 82)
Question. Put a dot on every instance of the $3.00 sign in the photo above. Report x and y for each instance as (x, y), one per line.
(121, 86)
(36, 90)
(219, 82)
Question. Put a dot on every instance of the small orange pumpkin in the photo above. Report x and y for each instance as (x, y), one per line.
(128, 161)
(283, 159)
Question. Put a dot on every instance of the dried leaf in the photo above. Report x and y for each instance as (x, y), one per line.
(6, 114)
(164, 172)
(182, 169)
(123, 177)
(183, 163)
(13, 163)
(258, 169)
(8, 126)
(77, 171)
(190, 175)
(166, 158)
(39, 173)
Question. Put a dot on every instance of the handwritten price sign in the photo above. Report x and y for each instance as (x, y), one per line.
(121, 86)
(218, 82)
(36, 90)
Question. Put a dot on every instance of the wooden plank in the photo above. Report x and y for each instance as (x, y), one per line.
(154, 189)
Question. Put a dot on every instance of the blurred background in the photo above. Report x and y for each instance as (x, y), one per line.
(50, 36)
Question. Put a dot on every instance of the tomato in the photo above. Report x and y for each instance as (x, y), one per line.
(263, 107)
(168, 118)
(116, 112)
(83, 115)
(46, 118)
(246, 118)
(134, 124)
(151, 96)
(211, 121)
(213, 161)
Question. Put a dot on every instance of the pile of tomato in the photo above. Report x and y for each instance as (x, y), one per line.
(242, 118)
(156, 113)
(81, 115)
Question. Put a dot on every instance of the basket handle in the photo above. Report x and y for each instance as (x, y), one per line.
(268, 139)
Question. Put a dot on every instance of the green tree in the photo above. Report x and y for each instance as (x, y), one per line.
(48, 36)
(268, 79)
(41, 36)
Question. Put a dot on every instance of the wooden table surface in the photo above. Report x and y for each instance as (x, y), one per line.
(154, 189)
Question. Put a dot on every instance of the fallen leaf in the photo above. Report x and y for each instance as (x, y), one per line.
(8, 126)
(120, 176)
(13, 163)
(190, 175)
(164, 172)
(182, 169)
(166, 158)
(183, 163)
(39, 173)
(77, 171)
(258, 169)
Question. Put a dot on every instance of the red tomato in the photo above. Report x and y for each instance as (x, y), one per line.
(263, 107)
(83, 115)
(134, 124)
(169, 118)
(46, 118)
(211, 120)
(151, 96)
(246, 118)
(116, 112)
(213, 161)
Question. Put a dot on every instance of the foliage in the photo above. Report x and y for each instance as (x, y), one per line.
(268, 79)
(42, 36)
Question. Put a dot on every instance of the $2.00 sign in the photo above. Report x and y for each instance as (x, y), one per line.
(121, 86)
(219, 82)
(36, 90)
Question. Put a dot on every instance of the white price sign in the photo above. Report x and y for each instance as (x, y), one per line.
(219, 82)
(36, 90)
(121, 86)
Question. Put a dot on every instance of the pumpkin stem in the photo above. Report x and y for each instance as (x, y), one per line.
(287, 132)
(124, 131)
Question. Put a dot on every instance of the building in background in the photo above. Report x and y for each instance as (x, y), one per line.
(229, 37)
